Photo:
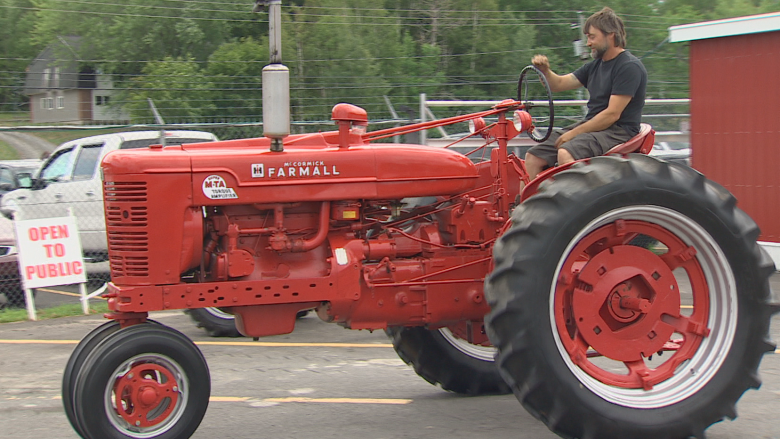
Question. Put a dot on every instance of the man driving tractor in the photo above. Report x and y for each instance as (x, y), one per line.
(616, 81)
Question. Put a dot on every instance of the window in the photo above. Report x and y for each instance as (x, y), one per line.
(46, 77)
(6, 179)
(58, 167)
(60, 102)
(47, 103)
(56, 77)
(87, 161)
(101, 100)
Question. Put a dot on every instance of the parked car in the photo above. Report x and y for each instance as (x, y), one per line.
(15, 174)
(69, 178)
(679, 152)
(10, 283)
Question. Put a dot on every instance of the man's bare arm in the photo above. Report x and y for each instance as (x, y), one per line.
(557, 82)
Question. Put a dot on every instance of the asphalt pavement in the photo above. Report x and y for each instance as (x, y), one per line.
(321, 381)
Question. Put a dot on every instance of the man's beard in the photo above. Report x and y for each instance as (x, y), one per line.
(598, 52)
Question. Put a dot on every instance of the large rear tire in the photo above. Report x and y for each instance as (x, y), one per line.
(578, 313)
(441, 357)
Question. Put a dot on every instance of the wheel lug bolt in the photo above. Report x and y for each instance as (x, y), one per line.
(130, 376)
(175, 388)
(137, 423)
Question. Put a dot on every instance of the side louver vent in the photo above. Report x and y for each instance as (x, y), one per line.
(126, 226)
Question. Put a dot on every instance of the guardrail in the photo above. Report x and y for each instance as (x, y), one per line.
(426, 114)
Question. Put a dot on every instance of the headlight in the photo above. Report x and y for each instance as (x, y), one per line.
(476, 125)
(522, 121)
(7, 250)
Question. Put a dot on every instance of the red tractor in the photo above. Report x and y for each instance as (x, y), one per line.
(486, 282)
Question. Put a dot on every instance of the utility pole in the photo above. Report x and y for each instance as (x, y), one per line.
(276, 79)
(581, 52)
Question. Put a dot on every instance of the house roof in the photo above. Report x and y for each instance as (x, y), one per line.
(57, 68)
(725, 28)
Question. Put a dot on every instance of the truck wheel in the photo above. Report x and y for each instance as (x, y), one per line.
(144, 381)
(216, 322)
(76, 360)
(599, 339)
(440, 357)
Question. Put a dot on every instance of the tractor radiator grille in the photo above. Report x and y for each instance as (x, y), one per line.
(127, 220)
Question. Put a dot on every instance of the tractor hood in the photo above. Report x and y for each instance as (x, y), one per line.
(245, 172)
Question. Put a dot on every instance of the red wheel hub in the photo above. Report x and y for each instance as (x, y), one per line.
(146, 395)
(619, 308)
(623, 302)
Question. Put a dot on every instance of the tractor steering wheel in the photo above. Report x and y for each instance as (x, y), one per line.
(540, 117)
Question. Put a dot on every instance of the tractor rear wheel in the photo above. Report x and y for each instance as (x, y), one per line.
(442, 357)
(599, 338)
(144, 381)
(216, 322)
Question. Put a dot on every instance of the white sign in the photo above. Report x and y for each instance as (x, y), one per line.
(215, 188)
(49, 252)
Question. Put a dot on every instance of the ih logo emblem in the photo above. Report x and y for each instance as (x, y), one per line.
(258, 170)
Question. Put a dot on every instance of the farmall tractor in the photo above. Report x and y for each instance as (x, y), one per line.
(486, 282)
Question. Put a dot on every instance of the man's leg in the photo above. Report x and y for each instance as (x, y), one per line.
(564, 157)
(534, 165)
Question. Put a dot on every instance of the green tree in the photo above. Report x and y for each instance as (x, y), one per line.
(16, 22)
(235, 69)
(178, 88)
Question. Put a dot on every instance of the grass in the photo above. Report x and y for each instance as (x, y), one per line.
(7, 152)
(59, 137)
(72, 309)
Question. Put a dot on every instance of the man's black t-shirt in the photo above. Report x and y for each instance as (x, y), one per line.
(622, 75)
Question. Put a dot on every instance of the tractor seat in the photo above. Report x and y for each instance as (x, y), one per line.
(642, 142)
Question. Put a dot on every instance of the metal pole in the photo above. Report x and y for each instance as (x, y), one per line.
(158, 119)
(29, 300)
(396, 139)
(275, 30)
(423, 107)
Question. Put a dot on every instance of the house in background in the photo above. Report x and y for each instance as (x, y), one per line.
(63, 89)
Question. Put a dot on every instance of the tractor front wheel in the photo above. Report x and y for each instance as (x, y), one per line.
(599, 338)
(444, 357)
(76, 360)
(143, 381)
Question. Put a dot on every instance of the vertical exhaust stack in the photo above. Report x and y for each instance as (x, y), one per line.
(276, 80)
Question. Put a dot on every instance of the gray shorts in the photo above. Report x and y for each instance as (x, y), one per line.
(583, 146)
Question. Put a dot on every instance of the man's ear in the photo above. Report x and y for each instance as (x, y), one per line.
(611, 38)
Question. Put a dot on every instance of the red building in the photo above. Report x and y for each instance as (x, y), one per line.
(735, 112)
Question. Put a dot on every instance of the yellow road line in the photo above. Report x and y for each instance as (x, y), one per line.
(340, 400)
(64, 293)
(38, 341)
(232, 343)
(229, 398)
(293, 399)
(293, 345)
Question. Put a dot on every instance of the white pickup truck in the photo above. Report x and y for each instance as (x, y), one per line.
(70, 178)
